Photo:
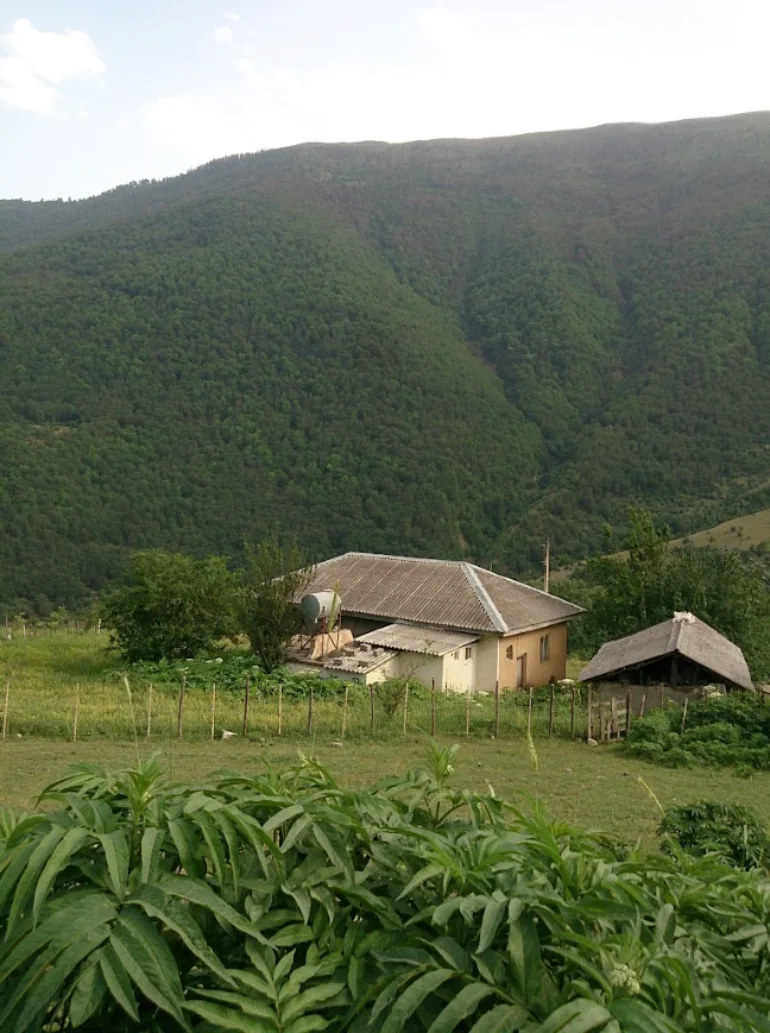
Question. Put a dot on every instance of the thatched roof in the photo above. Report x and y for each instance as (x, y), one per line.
(441, 593)
(683, 635)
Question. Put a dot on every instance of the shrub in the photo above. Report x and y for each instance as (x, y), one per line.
(720, 731)
(283, 903)
(655, 727)
(648, 750)
(170, 607)
(730, 830)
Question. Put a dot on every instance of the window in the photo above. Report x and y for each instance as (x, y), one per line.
(545, 648)
(509, 653)
(468, 652)
(456, 656)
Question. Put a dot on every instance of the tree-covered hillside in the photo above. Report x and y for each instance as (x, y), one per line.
(452, 348)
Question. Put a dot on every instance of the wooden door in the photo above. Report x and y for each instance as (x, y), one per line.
(521, 671)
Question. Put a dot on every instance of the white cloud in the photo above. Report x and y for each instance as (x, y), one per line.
(33, 63)
(224, 34)
(232, 17)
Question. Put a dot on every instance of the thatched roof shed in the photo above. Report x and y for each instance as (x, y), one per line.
(687, 649)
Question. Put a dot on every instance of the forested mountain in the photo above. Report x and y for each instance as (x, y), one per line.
(452, 348)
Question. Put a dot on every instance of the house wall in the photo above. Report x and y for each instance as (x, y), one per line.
(422, 668)
(537, 673)
(487, 663)
(459, 672)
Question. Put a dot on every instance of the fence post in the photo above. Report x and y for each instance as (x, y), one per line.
(149, 713)
(529, 714)
(406, 706)
(602, 722)
(245, 726)
(497, 710)
(468, 712)
(684, 714)
(614, 722)
(180, 710)
(5, 708)
(433, 706)
(77, 708)
(551, 709)
(371, 709)
(628, 712)
(280, 708)
(310, 710)
(345, 712)
(641, 705)
(213, 708)
(662, 696)
(589, 712)
(572, 713)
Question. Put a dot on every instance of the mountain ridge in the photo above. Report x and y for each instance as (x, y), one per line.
(454, 347)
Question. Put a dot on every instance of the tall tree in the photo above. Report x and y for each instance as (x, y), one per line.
(627, 591)
(273, 580)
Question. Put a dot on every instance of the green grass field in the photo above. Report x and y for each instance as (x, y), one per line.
(596, 787)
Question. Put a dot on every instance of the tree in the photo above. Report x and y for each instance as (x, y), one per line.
(171, 606)
(625, 593)
(273, 580)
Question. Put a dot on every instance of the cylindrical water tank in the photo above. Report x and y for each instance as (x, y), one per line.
(318, 605)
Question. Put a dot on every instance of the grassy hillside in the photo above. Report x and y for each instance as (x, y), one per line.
(452, 348)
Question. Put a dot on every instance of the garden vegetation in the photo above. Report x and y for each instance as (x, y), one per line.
(283, 903)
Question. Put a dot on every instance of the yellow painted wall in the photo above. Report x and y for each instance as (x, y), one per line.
(529, 643)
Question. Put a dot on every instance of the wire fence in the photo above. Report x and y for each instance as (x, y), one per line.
(119, 710)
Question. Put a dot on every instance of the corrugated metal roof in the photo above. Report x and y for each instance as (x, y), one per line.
(416, 638)
(440, 593)
(684, 634)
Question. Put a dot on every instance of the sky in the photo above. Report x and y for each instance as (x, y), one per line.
(95, 93)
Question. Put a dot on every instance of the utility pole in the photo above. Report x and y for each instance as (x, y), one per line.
(547, 567)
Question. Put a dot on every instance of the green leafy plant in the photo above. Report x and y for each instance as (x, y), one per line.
(730, 830)
(283, 903)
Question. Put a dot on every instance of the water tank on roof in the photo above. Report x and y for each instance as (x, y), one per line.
(319, 606)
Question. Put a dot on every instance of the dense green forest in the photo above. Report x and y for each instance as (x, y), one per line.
(452, 348)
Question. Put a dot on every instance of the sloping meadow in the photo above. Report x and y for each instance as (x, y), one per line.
(283, 903)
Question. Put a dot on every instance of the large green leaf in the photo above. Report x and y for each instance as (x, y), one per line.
(309, 1000)
(460, 1007)
(494, 913)
(505, 1018)
(195, 891)
(148, 962)
(219, 1016)
(37, 861)
(117, 981)
(88, 995)
(169, 913)
(413, 996)
(116, 853)
(579, 1016)
(152, 842)
(46, 989)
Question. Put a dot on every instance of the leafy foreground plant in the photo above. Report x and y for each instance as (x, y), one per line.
(283, 903)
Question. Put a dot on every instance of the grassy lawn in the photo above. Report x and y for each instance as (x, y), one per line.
(595, 787)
